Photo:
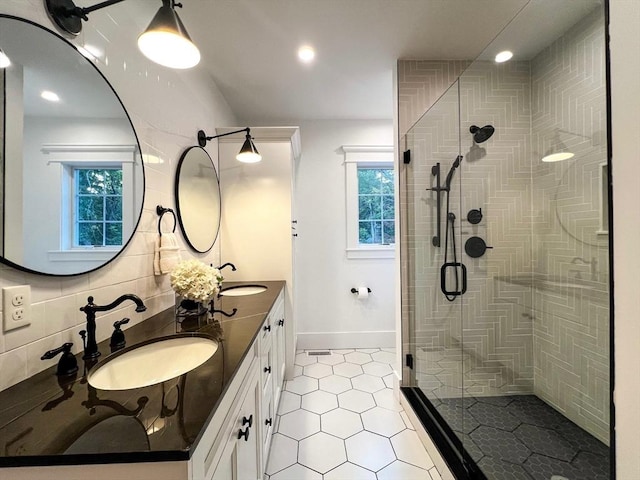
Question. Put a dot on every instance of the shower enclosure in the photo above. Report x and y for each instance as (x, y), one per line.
(505, 258)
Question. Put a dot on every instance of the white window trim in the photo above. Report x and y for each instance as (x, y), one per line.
(89, 156)
(358, 156)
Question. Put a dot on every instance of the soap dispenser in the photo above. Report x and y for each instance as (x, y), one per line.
(68, 365)
(117, 337)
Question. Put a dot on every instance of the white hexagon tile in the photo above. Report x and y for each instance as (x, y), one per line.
(339, 420)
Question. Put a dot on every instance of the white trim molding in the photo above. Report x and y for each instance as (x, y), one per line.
(358, 156)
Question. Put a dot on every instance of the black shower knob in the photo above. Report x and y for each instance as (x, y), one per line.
(474, 216)
(475, 247)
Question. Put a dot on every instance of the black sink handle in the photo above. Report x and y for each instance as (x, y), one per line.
(68, 365)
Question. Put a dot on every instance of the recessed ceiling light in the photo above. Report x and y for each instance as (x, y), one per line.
(50, 96)
(4, 60)
(504, 56)
(306, 54)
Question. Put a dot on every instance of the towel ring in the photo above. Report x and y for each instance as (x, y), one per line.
(160, 210)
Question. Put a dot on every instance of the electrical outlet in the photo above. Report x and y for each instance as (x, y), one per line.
(16, 307)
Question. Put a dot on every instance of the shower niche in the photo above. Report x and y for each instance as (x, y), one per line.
(505, 255)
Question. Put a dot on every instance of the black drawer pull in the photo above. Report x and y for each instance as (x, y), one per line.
(244, 433)
(267, 328)
(268, 421)
(246, 420)
(267, 369)
(281, 322)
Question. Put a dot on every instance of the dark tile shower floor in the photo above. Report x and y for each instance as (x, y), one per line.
(523, 438)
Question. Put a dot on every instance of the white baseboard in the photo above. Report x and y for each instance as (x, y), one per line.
(334, 340)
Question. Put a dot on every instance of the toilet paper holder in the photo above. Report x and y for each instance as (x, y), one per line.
(355, 290)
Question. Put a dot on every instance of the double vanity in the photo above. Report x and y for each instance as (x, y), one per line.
(212, 422)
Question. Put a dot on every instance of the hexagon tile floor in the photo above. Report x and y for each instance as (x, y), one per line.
(338, 420)
(523, 438)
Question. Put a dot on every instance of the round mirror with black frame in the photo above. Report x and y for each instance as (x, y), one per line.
(197, 191)
(73, 177)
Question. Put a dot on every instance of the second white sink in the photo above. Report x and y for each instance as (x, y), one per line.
(242, 290)
(152, 362)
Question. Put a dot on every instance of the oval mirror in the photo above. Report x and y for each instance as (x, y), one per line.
(73, 176)
(197, 190)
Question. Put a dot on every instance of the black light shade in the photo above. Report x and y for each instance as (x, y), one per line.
(248, 153)
(558, 151)
(166, 41)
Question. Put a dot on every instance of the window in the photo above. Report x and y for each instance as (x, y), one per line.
(370, 201)
(376, 223)
(97, 207)
(97, 199)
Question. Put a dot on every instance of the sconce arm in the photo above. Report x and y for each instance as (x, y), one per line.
(203, 138)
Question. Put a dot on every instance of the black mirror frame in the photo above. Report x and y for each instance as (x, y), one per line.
(177, 199)
(5, 261)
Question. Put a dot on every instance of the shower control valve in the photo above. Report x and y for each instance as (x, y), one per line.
(474, 216)
(475, 247)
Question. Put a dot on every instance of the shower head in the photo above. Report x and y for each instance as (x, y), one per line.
(481, 134)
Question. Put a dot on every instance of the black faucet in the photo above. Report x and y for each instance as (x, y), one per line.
(90, 309)
(228, 264)
(593, 264)
(93, 401)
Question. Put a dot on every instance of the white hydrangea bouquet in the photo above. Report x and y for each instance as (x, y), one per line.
(196, 281)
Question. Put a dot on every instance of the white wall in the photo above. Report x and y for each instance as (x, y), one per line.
(625, 108)
(167, 108)
(255, 233)
(328, 314)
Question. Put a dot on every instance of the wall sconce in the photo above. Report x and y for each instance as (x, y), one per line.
(165, 41)
(247, 154)
(558, 151)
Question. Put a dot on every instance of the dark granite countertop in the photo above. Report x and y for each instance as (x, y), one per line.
(47, 420)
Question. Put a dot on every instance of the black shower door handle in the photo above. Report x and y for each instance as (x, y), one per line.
(443, 278)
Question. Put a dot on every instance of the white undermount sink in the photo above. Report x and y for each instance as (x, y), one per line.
(152, 362)
(241, 290)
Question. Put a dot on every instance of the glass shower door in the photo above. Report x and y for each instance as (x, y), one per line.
(434, 275)
(508, 348)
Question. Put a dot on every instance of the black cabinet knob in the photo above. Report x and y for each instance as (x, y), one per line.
(281, 322)
(267, 369)
(268, 422)
(267, 328)
(246, 420)
(244, 433)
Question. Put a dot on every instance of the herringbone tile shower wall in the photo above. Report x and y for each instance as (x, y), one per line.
(535, 315)
(571, 326)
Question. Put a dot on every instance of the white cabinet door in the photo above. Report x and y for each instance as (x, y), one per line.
(279, 348)
(249, 443)
(241, 457)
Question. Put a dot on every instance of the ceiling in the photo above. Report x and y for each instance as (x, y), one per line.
(249, 47)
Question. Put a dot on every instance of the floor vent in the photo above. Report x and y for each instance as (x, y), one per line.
(315, 354)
